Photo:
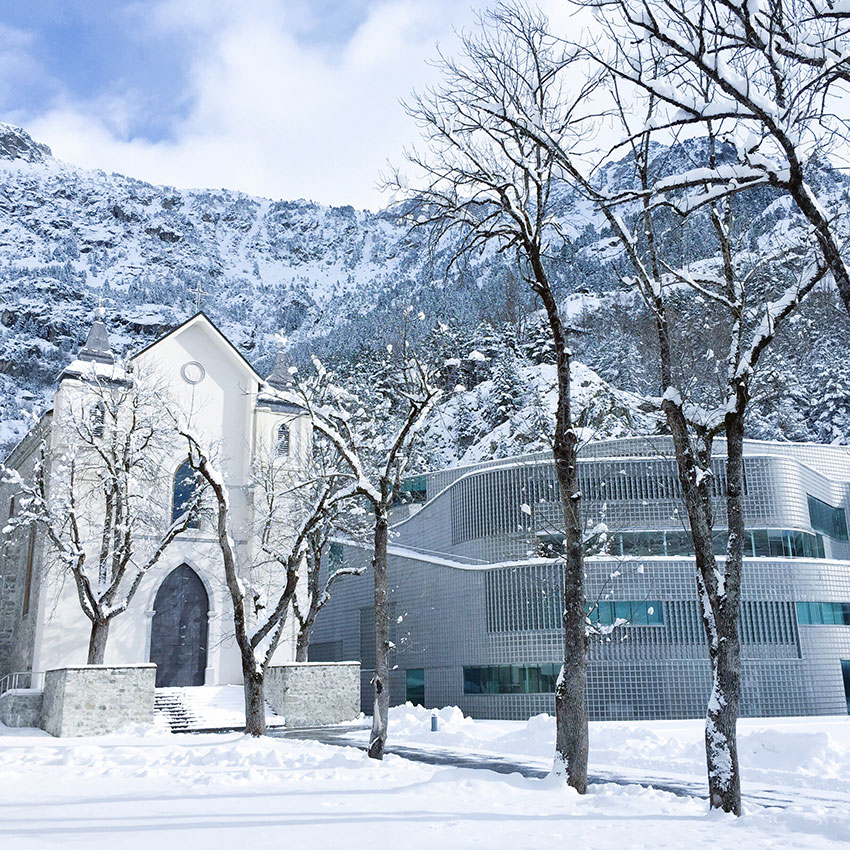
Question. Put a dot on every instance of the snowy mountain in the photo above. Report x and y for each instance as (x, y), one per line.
(333, 278)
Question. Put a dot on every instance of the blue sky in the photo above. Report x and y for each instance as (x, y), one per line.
(284, 98)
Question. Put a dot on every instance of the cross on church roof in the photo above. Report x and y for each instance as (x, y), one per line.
(198, 291)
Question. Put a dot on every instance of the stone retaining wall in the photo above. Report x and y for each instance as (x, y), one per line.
(312, 693)
(94, 700)
(21, 708)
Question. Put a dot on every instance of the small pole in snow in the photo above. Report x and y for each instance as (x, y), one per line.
(434, 722)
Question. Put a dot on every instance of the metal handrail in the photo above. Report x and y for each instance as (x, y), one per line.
(15, 681)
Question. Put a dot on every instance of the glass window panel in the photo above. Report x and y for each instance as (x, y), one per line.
(804, 615)
(415, 686)
(623, 610)
(630, 543)
(639, 614)
(655, 543)
(679, 543)
(827, 519)
(654, 613)
(776, 547)
(185, 482)
(761, 548)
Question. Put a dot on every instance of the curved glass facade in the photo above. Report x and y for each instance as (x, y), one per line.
(477, 586)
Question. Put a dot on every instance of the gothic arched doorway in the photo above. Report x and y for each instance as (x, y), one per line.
(179, 629)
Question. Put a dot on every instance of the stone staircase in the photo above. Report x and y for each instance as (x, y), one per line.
(204, 709)
(171, 711)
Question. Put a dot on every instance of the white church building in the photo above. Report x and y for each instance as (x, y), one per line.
(180, 618)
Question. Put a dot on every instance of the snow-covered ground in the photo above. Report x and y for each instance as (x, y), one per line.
(144, 789)
(795, 752)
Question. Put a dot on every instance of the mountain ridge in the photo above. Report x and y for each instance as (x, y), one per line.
(331, 278)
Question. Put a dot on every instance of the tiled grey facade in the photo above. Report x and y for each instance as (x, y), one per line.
(469, 587)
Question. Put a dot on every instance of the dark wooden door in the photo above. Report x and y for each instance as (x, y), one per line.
(179, 630)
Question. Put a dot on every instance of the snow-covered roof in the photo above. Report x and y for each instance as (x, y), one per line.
(202, 318)
(97, 347)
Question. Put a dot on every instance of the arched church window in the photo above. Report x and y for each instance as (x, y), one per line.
(185, 487)
(97, 416)
(282, 445)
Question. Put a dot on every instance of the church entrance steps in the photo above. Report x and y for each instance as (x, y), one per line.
(210, 708)
(170, 711)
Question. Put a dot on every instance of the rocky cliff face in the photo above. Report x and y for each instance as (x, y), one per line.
(331, 277)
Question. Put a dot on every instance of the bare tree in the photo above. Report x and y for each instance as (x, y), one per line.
(770, 77)
(405, 395)
(491, 184)
(262, 579)
(751, 297)
(98, 478)
(318, 592)
(747, 312)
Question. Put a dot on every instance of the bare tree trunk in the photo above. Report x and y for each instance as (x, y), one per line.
(97, 641)
(255, 704)
(724, 779)
(570, 695)
(571, 744)
(302, 645)
(721, 745)
(380, 681)
(718, 597)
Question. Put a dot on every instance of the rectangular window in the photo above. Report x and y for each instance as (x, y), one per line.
(823, 613)
(623, 611)
(511, 679)
(719, 542)
(415, 686)
(829, 520)
(635, 613)
(28, 578)
(775, 544)
(636, 543)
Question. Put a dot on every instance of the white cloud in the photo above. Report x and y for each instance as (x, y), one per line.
(271, 114)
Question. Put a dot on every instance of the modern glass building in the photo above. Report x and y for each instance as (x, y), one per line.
(476, 586)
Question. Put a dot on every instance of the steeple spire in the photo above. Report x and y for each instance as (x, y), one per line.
(97, 347)
(280, 378)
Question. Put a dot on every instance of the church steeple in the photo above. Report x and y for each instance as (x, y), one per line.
(97, 347)
(280, 378)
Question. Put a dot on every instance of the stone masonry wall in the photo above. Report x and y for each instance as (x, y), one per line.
(8, 598)
(314, 693)
(95, 700)
(21, 708)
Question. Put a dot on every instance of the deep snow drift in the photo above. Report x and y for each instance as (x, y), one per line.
(144, 789)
